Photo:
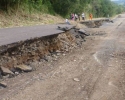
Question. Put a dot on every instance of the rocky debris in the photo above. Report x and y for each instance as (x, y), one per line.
(96, 23)
(16, 73)
(64, 54)
(119, 16)
(3, 84)
(83, 32)
(111, 21)
(76, 79)
(90, 24)
(24, 68)
(6, 71)
(99, 33)
(1, 74)
(79, 37)
(17, 56)
(63, 28)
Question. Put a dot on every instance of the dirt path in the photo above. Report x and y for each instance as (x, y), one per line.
(95, 71)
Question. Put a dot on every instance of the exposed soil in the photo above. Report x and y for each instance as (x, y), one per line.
(93, 71)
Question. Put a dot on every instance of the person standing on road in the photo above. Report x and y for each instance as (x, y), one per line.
(76, 17)
(90, 16)
(79, 16)
(67, 22)
(73, 16)
(83, 16)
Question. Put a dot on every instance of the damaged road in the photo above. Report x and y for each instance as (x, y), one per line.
(94, 70)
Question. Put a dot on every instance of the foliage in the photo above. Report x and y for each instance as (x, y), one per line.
(99, 8)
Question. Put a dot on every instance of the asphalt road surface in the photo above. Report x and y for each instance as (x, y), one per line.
(12, 35)
(95, 71)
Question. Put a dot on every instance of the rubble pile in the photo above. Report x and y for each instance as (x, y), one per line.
(96, 23)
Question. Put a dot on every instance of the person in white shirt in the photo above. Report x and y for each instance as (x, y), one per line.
(67, 22)
(83, 16)
(76, 17)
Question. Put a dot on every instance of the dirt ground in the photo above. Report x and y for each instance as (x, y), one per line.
(96, 71)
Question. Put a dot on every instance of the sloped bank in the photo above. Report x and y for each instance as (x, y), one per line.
(96, 23)
(15, 58)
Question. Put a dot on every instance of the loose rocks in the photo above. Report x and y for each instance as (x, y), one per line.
(76, 79)
(6, 71)
(24, 68)
(3, 84)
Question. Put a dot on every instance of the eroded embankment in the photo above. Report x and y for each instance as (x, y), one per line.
(96, 23)
(16, 57)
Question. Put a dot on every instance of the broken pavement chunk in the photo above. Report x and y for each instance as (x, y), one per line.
(3, 84)
(24, 68)
(6, 71)
(83, 32)
(76, 79)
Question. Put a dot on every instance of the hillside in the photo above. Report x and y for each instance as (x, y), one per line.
(23, 12)
(121, 2)
(23, 19)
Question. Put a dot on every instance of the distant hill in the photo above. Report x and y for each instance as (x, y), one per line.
(121, 2)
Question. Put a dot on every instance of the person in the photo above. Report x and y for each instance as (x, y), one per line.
(90, 16)
(76, 17)
(83, 16)
(73, 16)
(108, 16)
(67, 22)
(79, 16)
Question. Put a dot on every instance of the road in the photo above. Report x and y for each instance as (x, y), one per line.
(12, 35)
(95, 71)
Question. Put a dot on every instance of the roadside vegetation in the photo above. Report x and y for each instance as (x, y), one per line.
(39, 10)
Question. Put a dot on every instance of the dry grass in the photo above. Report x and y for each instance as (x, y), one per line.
(24, 19)
(20, 18)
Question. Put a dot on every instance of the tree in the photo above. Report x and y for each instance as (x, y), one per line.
(99, 8)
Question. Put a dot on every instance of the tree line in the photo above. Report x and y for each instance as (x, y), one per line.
(99, 8)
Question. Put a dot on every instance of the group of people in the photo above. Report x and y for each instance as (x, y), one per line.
(77, 16)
